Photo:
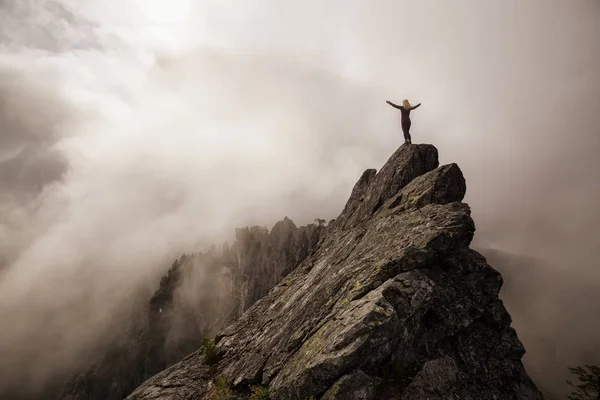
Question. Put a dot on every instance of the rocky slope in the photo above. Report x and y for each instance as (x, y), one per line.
(392, 304)
(200, 294)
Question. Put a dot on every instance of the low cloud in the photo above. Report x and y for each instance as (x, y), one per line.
(125, 141)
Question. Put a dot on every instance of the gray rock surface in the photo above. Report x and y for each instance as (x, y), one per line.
(356, 385)
(392, 304)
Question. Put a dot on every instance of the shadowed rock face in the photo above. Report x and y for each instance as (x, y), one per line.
(391, 305)
(541, 295)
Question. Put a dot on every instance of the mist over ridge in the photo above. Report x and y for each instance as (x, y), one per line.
(126, 140)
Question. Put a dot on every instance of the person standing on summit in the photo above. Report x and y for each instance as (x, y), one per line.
(405, 110)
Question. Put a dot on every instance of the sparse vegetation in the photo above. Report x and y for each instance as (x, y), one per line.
(319, 222)
(221, 389)
(211, 353)
(588, 387)
(259, 393)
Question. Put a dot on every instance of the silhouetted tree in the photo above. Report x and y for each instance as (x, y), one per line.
(319, 222)
(589, 383)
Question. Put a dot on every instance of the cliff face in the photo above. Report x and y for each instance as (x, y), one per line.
(392, 304)
(263, 258)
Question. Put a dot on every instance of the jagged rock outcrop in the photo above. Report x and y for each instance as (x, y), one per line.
(392, 304)
(264, 258)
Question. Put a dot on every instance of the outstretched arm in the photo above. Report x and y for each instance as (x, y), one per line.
(417, 106)
(393, 105)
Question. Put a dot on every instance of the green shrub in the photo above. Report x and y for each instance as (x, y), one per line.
(211, 353)
(259, 393)
(221, 382)
(221, 389)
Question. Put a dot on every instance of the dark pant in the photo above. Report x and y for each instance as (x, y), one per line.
(405, 130)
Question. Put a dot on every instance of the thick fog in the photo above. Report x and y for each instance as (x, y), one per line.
(134, 130)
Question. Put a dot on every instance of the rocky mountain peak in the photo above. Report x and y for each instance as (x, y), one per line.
(391, 304)
(373, 189)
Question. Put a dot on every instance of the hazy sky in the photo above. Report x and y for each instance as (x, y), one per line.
(134, 130)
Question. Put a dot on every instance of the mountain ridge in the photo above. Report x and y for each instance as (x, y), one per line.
(392, 297)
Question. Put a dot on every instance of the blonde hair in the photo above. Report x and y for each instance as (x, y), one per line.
(406, 104)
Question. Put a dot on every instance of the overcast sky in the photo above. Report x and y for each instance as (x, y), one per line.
(134, 130)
